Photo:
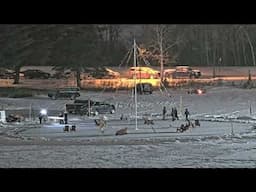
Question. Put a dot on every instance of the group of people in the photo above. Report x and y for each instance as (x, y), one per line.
(174, 114)
(185, 127)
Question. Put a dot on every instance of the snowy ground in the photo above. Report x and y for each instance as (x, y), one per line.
(226, 137)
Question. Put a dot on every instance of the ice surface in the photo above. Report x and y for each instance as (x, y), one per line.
(226, 137)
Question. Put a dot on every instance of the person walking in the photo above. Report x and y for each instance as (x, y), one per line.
(164, 112)
(65, 117)
(40, 118)
(172, 114)
(186, 113)
(176, 113)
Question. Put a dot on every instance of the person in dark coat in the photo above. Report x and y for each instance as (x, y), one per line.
(186, 113)
(65, 117)
(164, 112)
(172, 114)
(40, 118)
(176, 114)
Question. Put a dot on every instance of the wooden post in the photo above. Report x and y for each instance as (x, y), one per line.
(232, 130)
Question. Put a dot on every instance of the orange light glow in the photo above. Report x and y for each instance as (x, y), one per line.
(117, 83)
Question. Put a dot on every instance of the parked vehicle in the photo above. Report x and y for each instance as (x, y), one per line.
(102, 108)
(104, 73)
(61, 75)
(196, 73)
(76, 108)
(79, 107)
(69, 92)
(6, 74)
(82, 107)
(185, 72)
(168, 73)
(144, 73)
(143, 88)
(36, 74)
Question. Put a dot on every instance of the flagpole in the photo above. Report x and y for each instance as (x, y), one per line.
(135, 84)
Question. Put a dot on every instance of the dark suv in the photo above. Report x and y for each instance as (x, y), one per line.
(70, 92)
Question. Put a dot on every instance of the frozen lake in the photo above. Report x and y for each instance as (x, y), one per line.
(225, 139)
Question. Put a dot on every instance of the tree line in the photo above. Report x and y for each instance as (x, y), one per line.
(82, 46)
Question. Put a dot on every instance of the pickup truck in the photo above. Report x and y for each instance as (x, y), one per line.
(79, 107)
(82, 107)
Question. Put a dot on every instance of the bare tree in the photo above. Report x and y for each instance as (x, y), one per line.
(250, 43)
(159, 39)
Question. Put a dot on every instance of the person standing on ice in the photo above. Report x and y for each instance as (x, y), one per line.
(172, 114)
(40, 118)
(186, 113)
(61, 120)
(176, 113)
(65, 117)
(164, 112)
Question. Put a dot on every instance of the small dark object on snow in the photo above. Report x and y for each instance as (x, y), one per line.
(183, 127)
(197, 123)
(122, 131)
(66, 128)
(189, 124)
(123, 117)
(148, 121)
(73, 128)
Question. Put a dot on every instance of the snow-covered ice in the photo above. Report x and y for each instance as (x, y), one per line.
(226, 137)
